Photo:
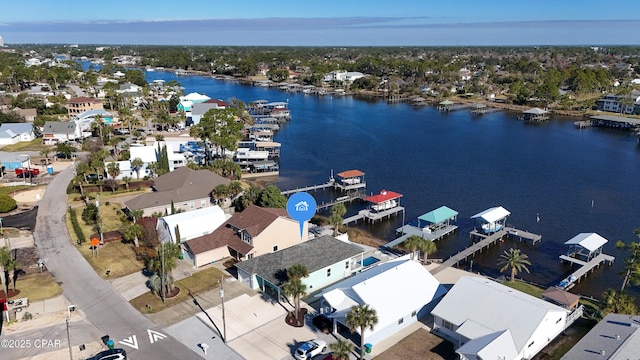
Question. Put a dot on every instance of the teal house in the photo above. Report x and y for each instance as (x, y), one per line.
(327, 259)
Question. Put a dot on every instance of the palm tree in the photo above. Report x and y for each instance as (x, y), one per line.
(113, 169)
(294, 287)
(337, 211)
(132, 232)
(220, 192)
(427, 247)
(413, 243)
(5, 260)
(126, 180)
(137, 165)
(618, 302)
(363, 317)
(45, 152)
(515, 260)
(342, 349)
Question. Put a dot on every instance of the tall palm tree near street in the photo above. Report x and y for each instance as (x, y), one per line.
(113, 169)
(294, 286)
(342, 349)
(427, 247)
(515, 260)
(362, 317)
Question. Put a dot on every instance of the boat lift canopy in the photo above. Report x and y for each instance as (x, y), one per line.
(438, 215)
(589, 241)
(383, 196)
(492, 215)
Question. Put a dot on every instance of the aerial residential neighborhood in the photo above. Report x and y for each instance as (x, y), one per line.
(148, 210)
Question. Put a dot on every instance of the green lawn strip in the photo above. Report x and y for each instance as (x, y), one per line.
(33, 145)
(525, 288)
(197, 283)
(13, 190)
(118, 257)
(38, 286)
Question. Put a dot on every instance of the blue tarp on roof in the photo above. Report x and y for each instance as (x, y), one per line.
(438, 215)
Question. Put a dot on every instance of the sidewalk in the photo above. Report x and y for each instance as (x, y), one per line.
(45, 312)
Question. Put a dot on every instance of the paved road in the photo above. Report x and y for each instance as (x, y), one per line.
(26, 220)
(104, 308)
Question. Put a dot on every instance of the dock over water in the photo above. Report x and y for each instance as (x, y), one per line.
(583, 270)
(372, 216)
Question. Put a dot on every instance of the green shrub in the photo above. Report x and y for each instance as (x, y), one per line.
(7, 203)
(76, 227)
(90, 214)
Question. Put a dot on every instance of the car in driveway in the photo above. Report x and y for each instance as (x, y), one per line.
(111, 354)
(310, 349)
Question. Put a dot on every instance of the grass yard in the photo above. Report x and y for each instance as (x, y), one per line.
(34, 145)
(11, 190)
(525, 288)
(197, 283)
(38, 286)
(421, 344)
(117, 257)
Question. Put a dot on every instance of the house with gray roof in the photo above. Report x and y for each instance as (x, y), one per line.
(187, 189)
(327, 259)
(11, 133)
(616, 337)
(54, 132)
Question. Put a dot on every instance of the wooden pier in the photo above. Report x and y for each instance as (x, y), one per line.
(481, 109)
(343, 199)
(330, 183)
(485, 242)
(583, 270)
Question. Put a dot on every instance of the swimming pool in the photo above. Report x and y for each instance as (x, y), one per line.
(369, 261)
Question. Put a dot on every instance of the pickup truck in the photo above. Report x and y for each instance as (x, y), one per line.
(21, 172)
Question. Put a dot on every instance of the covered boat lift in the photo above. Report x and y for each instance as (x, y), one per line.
(491, 220)
(432, 225)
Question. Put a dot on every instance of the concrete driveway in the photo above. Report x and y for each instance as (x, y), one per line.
(256, 328)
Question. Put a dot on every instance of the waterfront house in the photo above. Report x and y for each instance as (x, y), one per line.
(187, 101)
(190, 225)
(326, 258)
(149, 154)
(253, 232)
(199, 109)
(54, 132)
(616, 337)
(401, 291)
(11, 133)
(487, 320)
(81, 104)
(622, 104)
(187, 189)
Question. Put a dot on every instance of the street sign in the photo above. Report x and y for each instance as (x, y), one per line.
(95, 242)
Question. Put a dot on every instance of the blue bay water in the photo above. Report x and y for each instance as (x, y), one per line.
(467, 163)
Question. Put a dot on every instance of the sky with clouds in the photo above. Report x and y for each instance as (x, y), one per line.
(322, 23)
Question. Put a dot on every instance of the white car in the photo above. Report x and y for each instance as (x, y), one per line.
(310, 349)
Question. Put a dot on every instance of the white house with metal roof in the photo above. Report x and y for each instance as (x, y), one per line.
(11, 133)
(401, 291)
(492, 220)
(190, 224)
(487, 320)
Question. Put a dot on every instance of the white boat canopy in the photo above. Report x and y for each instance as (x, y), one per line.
(492, 215)
(589, 241)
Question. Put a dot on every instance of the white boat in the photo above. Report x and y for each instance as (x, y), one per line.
(244, 154)
(491, 227)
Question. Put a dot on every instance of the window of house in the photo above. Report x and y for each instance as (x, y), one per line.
(400, 321)
(275, 248)
(530, 344)
(328, 272)
(414, 313)
(346, 265)
(447, 325)
(192, 205)
(249, 256)
(203, 203)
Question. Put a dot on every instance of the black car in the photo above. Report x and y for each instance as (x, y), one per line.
(111, 354)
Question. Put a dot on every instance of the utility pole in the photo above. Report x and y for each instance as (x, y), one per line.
(224, 323)
(70, 308)
(99, 219)
(163, 277)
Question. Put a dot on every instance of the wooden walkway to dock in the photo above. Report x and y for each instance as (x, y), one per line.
(329, 183)
(583, 271)
(471, 250)
(372, 216)
(343, 199)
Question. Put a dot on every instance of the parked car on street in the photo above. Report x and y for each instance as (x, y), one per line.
(310, 349)
(111, 354)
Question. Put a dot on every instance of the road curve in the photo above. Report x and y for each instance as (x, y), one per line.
(104, 308)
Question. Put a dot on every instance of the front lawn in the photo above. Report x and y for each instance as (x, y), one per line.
(197, 283)
(37, 286)
(525, 288)
(33, 145)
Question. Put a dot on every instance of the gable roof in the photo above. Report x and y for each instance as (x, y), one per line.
(82, 100)
(497, 345)
(535, 111)
(253, 220)
(11, 130)
(182, 184)
(493, 214)
(496, 307)
(184, 176)
(315, 254)
(560, 296)
(59, 127)
(394, 289)
(350, 173)
(194, 223)
(589, 241)
(383, 196)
